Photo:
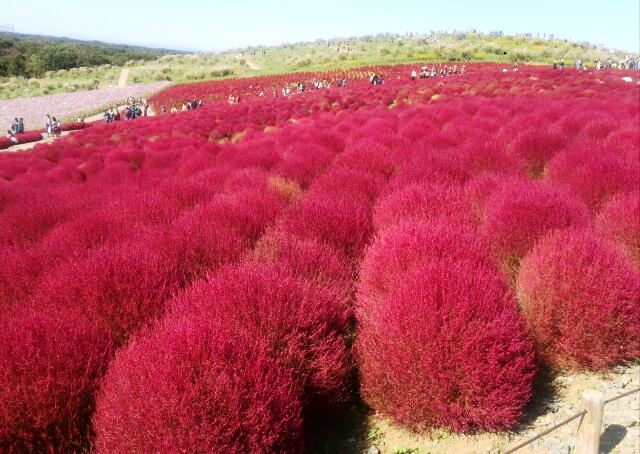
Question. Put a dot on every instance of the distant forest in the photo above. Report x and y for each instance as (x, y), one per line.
(32, 56)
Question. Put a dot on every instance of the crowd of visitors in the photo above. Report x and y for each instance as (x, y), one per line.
(627, 63)
(189, 105)
(134, 109)
(301, 87)
(52, 127)
(438, 70)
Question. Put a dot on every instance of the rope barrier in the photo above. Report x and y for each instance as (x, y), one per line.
(546, 432)
(628, 393)
(566, 421)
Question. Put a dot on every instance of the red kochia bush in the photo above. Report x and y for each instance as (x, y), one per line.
(74, 126)
(419, 202)
(248, 212)
(447, 348)
(537, 146)
(619, 221)
(594, 172)
(339, 220)
(581, 300)
(6, 142)
(191, 385)
(200, 242)
(398, 249)
(518, 213)
(319, 263)
(123, 285)
(303, 324)
(49, 365)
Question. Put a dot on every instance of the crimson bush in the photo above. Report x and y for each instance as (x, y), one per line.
(446, 348)
(618, 221)
(122, 285)
(319, 263)
(537, 146)
(423, 202)
(399, 248)
(341, 221)
(594, 172)
(302, 323)
(50, 362)
(192, 385)
(519, 213)
(580, 298)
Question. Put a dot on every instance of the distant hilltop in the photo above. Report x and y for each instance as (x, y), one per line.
(32, 65)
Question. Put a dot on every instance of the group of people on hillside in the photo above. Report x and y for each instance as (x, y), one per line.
(301, 87)
(129, 113)
(52, 127)
(134, 109)
(627, 63)
(189, 105)
(434, 71)
(376, 79)
(17, 127)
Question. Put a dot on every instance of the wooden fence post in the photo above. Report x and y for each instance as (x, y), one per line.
(591, 427)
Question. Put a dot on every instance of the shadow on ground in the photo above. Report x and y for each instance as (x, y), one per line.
(346, 433)
(612, 437)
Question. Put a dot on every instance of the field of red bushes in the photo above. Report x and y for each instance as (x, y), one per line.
(229, 278)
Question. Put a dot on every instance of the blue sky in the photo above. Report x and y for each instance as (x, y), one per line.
(212, 25)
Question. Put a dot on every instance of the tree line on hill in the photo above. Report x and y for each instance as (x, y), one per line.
(28, 56)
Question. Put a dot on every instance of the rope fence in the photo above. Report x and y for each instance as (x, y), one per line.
(589, 437)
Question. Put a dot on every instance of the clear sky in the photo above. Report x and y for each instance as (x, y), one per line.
(214, 25)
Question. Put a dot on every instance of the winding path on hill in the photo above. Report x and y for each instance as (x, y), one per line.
(250, 64)
(124, 76)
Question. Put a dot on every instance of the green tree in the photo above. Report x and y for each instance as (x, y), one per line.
(17, 65)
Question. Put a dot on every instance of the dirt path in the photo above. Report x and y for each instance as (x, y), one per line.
(124, 76)
(253, 66)
(250, 64)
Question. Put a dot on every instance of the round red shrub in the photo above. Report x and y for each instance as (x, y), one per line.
(480, 188)
(356, 182)
(122, 285)
(399, 248)
(427, 166)
(594, 172)
(50, 362)
(419, 202)
(302, 162)
(619, 221)
(339, 220)
(248, 212)
(581, 300)
(446, 348)
(191, 385)
(302, 323)
(519, 213)
(200, 241)
(305, 258)
(537, 147)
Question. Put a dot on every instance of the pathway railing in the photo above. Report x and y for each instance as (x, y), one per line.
(590, 426)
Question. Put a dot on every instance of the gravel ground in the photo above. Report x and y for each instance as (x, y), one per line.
(66, 105)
